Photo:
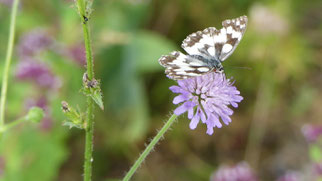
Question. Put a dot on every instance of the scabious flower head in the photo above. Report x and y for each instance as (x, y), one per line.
(206, 98)
(239, 172)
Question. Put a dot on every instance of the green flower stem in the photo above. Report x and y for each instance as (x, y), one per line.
(35, 114)
(13, 124)
(81, 4)
(8, 62)
(88, 47)
(150, 147)
(89, 141)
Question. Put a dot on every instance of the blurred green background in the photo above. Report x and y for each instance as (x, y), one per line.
(282, 91)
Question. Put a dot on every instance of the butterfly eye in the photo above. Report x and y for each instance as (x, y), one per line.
(221, 69)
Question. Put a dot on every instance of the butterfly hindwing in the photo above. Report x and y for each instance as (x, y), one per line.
(181, 66)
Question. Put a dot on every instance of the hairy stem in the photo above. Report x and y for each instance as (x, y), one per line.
(150, 147)
(8, 62)
(88, 47)
(89, 141)
(81, 4)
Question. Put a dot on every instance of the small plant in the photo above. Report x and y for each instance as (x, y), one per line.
(91, 89)
(35, 114)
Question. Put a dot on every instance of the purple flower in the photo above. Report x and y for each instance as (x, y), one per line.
(6, 2)
(312, 132)
(206, 98)
(289, 176)
(240, 172)
(34, 42)
(41, 102)
(38, 72)
(318, 169)
(77, 53)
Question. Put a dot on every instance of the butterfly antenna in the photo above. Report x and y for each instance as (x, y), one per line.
(246, 68)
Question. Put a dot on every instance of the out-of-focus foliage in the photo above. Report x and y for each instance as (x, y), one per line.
(282, 91)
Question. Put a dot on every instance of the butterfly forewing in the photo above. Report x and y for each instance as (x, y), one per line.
(234, 30)
(201, 42)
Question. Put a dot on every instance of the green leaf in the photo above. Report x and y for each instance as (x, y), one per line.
(146, 48)
(75, 118)
(32, 154)
(97, 97)
(92, 88)
(71, 124)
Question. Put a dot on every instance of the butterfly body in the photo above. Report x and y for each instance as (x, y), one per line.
(206, 50)
(210, 61)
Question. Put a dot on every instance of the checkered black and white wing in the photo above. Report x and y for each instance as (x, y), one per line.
(180, 66)
(201, 42)
(216, 43)
(234, 30)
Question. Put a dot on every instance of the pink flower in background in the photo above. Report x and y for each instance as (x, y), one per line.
(290, 176)
(318, 169)
(38, 72)
(206, 98)
(239, 172)
(265, 20)
(78, 54)
(312, 132)
(41, 102)
(33, 42)
(6, 2)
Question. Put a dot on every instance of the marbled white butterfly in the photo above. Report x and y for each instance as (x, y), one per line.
(206, 49)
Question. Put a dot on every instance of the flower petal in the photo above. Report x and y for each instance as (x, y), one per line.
(210, 130)
(203, 116)
(213, 121)
(180, 98)
(226, 119)
(226, 110)
(183, 108)
(235, 105)
(190, 113)
(194, 122)
(175, 89)
(182, 84)
(217, 122)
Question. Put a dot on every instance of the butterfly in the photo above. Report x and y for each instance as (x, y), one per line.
(206, 50)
